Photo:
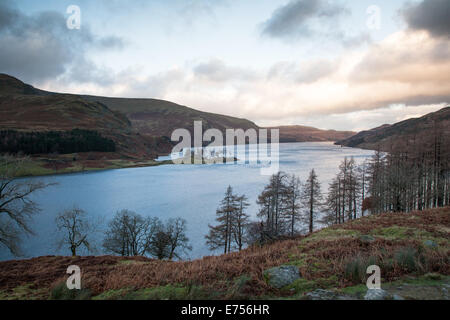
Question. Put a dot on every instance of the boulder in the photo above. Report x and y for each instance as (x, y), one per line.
(279, 277)
(320, 294)
(377, 294)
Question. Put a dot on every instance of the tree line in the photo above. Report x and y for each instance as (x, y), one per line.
(285, 205)
(413, 175)
(127, 234)
(63, 142)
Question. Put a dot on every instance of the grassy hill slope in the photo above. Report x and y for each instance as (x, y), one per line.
(25, 108)
(160, 118)
(149, 117)
(333, 258)
(402, 133)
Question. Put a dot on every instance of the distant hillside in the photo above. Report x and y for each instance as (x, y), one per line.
(160, 118)
(25, 108)
(402, 133)
(303, 134)
(149, 123)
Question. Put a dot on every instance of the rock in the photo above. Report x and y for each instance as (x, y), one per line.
(377, 294)
(397, 297)
(320, 294)
(282, 276)
(365, 238)
(430, 244)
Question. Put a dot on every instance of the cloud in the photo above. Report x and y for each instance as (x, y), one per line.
(387, 73)
(306, 72)
(303, 19)
(408, 76)
(355, 84)
(218, 71)
(430, 15)
(39, 47)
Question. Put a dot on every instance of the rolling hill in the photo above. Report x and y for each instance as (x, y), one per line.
(402, 133)
(139, 126)
(160, 118)
(308, 134)
(24, 108)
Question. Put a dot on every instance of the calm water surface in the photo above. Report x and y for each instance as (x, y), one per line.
(189, 191)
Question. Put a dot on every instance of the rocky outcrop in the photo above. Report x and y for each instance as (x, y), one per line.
(279, 277)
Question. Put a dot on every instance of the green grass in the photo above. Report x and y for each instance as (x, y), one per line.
(429, 279)
(130, 262)
(331, 234)
(23, 292)
(398, 233)
(357, 290)
(33, 168)
(61, 292)
(168, 292)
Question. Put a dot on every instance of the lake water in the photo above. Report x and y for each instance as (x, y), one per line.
(192, 192)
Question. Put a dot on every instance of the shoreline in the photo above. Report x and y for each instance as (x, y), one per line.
(40, 166)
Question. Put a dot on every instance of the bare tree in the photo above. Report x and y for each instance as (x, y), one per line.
(160, 244)
(232, 222)
(312, 198)
(292, 203)
(240, 221)
(130, 234)
(16, 205)
(221, 234)
(333, 203)
(271, 204)
(76, 230)
(255, 233)
(178, 241)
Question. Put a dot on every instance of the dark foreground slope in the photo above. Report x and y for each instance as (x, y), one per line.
(410, 131)
(412, 251)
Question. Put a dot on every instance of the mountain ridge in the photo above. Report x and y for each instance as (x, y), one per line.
(150, 118)
(384, 137)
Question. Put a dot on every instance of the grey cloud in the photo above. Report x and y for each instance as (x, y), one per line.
(216, 70)
(358, 40)
(111, 42)
(430, 15)
(40, 46)
(299, 19)
(303, 73)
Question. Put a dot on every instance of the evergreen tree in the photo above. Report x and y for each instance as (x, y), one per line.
(312, 199)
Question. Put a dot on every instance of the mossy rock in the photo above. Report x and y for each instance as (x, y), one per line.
(279, 277)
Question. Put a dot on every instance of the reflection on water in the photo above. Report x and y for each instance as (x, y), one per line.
(192, 192)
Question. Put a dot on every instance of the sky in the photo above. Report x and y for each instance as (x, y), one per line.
(346, 65)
